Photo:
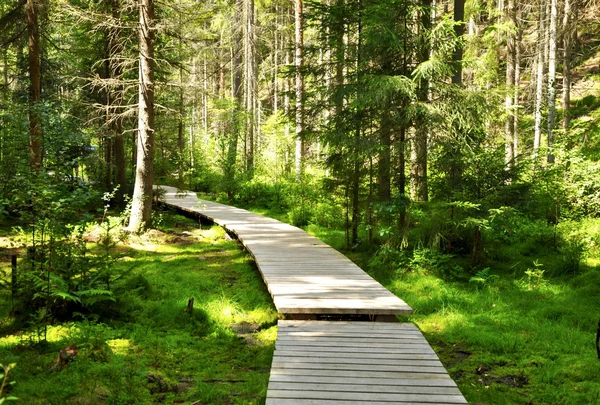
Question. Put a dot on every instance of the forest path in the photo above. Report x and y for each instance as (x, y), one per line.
(305, 277)
(330, 362)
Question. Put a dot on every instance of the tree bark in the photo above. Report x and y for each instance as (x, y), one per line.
(568, 31)
(116, 72)
(552, 78)
(459, 29)
(517, 83)
(141, 208)
(509, 127)
(35, 85)
(539, 87)
(299, 90)
(418, 183)
(385, 143)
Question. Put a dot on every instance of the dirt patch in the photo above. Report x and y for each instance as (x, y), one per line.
(245, 330)
(486, 378)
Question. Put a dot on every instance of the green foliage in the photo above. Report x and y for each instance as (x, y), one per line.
(483, 278)
(533, 278)
(6, 383)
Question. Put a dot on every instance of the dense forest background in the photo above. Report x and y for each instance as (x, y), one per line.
(451, 141)
(429, 124)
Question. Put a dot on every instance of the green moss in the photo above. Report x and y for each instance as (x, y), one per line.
(160, 351)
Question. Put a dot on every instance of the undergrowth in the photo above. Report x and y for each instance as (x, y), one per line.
(157, 345)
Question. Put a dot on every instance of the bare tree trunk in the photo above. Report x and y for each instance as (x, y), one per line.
(250, 85)
(299, 90)
(35, 128)
(552, 78)
(276, 63)
(539, 88)
(568, 31)
(459, 28)
(517, 83)
(385, 143)
(116, 72)
(419, 188)
(509, 128)
(141, 208)
(180, 140)
(229, 170)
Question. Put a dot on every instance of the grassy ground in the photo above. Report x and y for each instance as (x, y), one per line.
(512, 338)
(154, 351)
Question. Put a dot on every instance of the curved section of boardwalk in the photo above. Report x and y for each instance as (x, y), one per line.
(324, 362)
(303, 274)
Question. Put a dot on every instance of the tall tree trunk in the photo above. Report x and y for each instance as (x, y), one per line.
(459, 29)
(539, 87)
(276, 63)
(568, 31)
(509, 128)
(250, 85)
(299, 89)
(180, 139)
(385, 143)
(141, 207)
(357, 137)
(229, 170)
(116, 73)
(518, 44)
(35, 89)
(419, 188)
(552, 78)
(108, 116)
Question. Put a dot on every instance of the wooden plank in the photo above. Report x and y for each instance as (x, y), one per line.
(358, 367)
(316, 348)
(355, 355)
(351, 373)
(435, 380)
(367, 396)
(296, 401)
(360, 362)
(362, 388)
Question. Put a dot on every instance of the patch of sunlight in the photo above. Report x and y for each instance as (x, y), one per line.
(223, 309)
(592, 261)
(213, 234)
(439, 322)
(267, 336)
(259, 315)
(119, 346)
(53, 334)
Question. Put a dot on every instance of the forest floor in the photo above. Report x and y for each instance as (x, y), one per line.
(153, 350)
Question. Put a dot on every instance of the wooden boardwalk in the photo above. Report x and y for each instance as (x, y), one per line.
(304, 275)
(330, 362)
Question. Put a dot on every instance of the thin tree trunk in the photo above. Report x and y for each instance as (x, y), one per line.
(459, 28)
(35, 128)
(299, 90)
(539, 88)
(552, 78)
(385, 142)
(357, 137)
(517, 83)
(116, 72)
(229, 170)
(509, 128)
(180, 139)
(567, 44)
(141, 208)
(276, 63)
(419, 188)
(250, 85)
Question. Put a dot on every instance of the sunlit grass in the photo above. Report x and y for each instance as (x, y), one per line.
(156, 349)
